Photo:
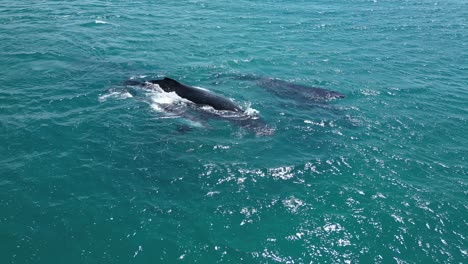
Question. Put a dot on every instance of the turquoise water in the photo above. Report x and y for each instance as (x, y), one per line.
(92, 174)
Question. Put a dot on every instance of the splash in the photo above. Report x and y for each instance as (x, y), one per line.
(162, 101)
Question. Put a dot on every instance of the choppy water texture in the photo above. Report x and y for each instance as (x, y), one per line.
(92, 174)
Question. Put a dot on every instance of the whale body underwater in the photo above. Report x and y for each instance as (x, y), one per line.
(224, 106)
(297, 91)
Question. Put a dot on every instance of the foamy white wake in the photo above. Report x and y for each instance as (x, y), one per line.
(161, 100)
(115, 95)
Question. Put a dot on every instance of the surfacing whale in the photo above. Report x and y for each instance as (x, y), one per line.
(222, 108)
(196, 95)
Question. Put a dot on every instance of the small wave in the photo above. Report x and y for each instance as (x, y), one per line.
(98, 21)
(219, 146)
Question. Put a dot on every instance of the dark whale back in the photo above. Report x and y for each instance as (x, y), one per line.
(197, 95)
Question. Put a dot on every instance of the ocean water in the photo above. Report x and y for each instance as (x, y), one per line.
(93, 171)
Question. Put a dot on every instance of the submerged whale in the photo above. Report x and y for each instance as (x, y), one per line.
(196, 95)
(284, 88)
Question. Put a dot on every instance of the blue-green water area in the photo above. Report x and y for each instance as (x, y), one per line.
(94, 171)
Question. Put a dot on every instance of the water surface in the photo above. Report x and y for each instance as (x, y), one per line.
(92, 175)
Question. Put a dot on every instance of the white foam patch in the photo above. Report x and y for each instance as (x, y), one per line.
(222, 113)
(252, 112)
(157, 108)
(221, 147)
(161, 99)
(115, 95)
(138, 76)
(321, 124)
(293, 204)
(284, 173)
(166, 98)
(98, 21)
(209, 108)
